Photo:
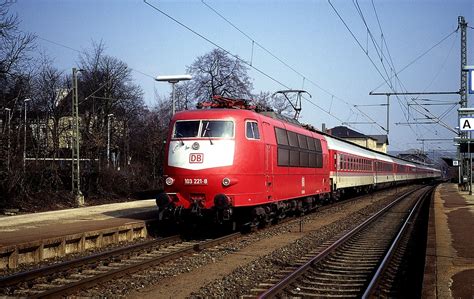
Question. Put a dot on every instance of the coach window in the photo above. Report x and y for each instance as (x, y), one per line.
(292, 139)
(304, 159)
(302, 141)
(251, 131)
(317, 144)
(319, 160)
(283, 157)
(312, 160)
(311, 146)
(294, 158)
(282, 138)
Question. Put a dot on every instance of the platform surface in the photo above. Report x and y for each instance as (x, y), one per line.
(449, 269)
(30, 227)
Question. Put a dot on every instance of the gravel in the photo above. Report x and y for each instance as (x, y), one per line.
(244, 278)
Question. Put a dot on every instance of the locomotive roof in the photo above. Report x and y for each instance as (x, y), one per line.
(197, 112)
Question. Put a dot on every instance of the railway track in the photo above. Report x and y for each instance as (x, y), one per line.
(84, 273)
(69, 277)
(353, 265)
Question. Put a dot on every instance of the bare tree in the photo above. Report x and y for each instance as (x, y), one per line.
(185, 98)
(107, 88)
(14, 45)
(215, 73)
(15, 83)
(263, 101)
(266, 101)
(51, 88)
(281, 105)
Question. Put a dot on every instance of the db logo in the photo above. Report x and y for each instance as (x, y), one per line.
(196, 158)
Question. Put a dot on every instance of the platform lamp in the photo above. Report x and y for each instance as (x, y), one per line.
(24, 137)
(173, 80)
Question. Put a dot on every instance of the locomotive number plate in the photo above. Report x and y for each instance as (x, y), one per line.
(195, 181)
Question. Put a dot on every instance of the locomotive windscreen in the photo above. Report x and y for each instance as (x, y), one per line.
(186, 128)
(204, 129)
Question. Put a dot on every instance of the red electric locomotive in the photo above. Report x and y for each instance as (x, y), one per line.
(221, 161)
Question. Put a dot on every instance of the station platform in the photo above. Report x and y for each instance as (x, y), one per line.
(34, 237)
(449, 264)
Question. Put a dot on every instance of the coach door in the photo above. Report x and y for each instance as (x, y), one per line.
(268, 167)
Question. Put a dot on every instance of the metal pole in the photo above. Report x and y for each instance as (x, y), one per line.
(73, 140)
(172, 98)
(470, 164)
(388, 113)
(76, 173)
(24, 137)
(463, 88)
(108, 139)
(8, 153)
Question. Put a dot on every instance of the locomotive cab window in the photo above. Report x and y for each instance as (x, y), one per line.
(251, 130)
(217, 128)
(204, 129)
(183, 129)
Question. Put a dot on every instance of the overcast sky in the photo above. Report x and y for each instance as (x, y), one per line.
(314, 51)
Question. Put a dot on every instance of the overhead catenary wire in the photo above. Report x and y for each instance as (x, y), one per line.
(379, 51)
(419, 57)
(378, 48)
(357, 41)
(152, 77)
(235, 56)
(383, 36)
(386, 80)
(365, 52)
(381, 55)
(304, 77)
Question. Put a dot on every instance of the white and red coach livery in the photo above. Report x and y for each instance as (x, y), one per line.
(223, 161)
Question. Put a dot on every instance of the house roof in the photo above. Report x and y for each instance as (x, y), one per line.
(345, 132)
(381, 139)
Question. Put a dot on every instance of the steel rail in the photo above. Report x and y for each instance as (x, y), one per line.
(280, 286)
(391, 251)
(89, 282)
(30, 275)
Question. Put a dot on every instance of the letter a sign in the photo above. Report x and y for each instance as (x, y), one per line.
(466, 124)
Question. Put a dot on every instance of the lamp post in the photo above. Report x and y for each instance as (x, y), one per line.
(108, 138)
(8, 153)
(173, 80)
(24, 137)
(75, 159)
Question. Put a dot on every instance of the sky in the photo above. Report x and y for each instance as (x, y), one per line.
(324, 47)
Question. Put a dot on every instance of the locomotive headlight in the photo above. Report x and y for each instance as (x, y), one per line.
(226, 182)
(169, 181)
